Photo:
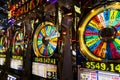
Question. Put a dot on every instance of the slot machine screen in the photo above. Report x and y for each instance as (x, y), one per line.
(16, 64)
(110, 75)
(2, 61)
(88, 74)
(10, 77)
(44, 70)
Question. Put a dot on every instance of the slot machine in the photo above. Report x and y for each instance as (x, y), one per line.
(3, 48)
(44, 64)
(3, 53)
(99, 37)
(20, 61)
(16, 66)
(44, 56)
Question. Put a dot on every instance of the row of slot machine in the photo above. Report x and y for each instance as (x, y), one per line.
(32, 47)
(37, 45)
(28, 47)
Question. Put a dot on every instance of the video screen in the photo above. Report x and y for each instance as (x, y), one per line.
(10, 77)
(89, 74)
(110, 76)
(16, 64)
(44, 70)
(2, 61)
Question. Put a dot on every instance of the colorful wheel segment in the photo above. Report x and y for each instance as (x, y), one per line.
(3, 44)
(45, 39)
(100, 33)
(18, 44)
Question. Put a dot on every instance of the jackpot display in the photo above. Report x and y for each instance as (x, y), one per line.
(100, 33)
(104, 66)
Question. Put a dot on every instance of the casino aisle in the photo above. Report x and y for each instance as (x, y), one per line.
(59, 39)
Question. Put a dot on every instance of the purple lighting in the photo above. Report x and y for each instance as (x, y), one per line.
(11, 21)
(51, 1)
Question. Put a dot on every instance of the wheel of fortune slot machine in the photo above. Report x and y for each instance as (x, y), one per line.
(44, 45)
(99, 37)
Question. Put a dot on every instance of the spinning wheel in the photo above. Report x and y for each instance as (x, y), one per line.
(45, 39)
(100, 33)
(18, 42)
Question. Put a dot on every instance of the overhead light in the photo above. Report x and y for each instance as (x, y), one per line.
(51, 1)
